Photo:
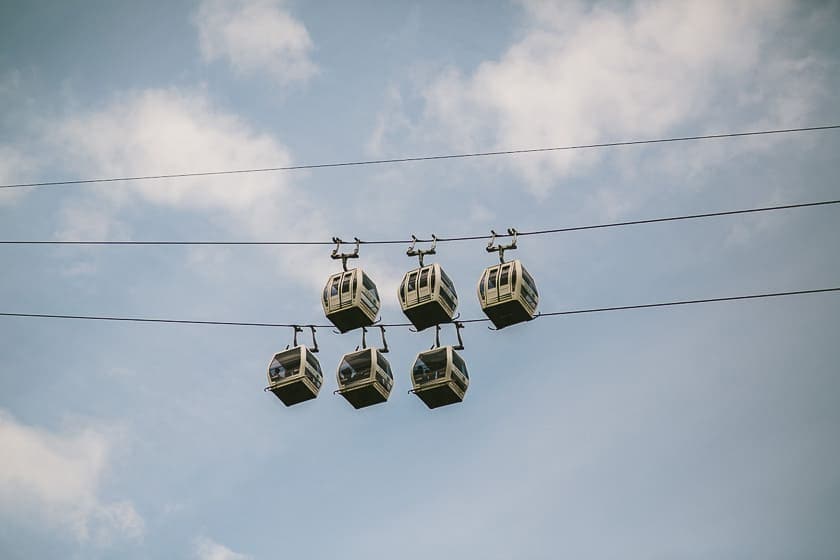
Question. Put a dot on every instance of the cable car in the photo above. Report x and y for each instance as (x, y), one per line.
(294, 375)
(350, 298)
(439, 376)
(365, 378)
(427, 296)
(507, 293)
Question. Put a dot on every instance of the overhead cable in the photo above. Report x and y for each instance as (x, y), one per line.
(438, 239)
(410, 159)
(396, 325)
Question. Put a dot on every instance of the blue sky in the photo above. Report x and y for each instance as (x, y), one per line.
(692, 432)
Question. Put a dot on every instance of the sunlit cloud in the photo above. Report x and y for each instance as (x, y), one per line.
(256, 37)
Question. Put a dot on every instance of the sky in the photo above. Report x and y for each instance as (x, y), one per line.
(692, 432)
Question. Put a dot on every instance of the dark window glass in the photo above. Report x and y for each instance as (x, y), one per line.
(491, 280)
(424, 278)
(276, 372)
(370, 287)
(412, 281)
(334, 287)
(429, 366)
(503, 280)
(327, 294)
(383, 364)
(345, 285)
(315, 380)
(354, 367)
(368, 302)
(285, 364)
(529, 289)
(313, 361)
(529, 281)
(458, 362)
(459, 381)
(446, 297)
(481, 284)
(446, 280)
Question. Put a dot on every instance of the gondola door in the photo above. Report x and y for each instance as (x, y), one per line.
(424, 284)
(492, 284)
(335, 292)
(411, 292)
(505, 286)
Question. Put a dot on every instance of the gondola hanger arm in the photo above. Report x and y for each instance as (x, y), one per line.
(314, 348)
(458, 326)
(344, 256)
(296, 329)
(492, 248)
(364, 342)
(420, 253)
(384, 348)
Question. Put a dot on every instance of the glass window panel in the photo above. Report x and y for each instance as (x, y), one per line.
(334, 288)
(276, 372)
(429, 366)
(491, 280)
(424, 278)
(383, 364)
(369, 303)
(447, 297)
(412, 281)
(368, 284)
(529, 281)
(446, 280)
(313, 361)
(285, 364)
(354, 367)
(459, 363)
(459, 381)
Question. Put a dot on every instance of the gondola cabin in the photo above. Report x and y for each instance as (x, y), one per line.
(350, 300)
(508, 294)
(427, 296)
(365, 378)
(439, 377)
(295, 375)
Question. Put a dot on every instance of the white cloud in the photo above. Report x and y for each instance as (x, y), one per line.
(208, 549)
(256, 36)
(88, 219)
(170, 131)
(585, 73)
(56, 477)
(161, 131)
